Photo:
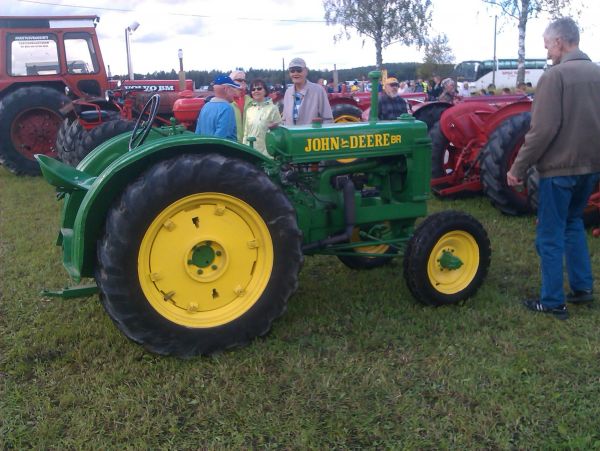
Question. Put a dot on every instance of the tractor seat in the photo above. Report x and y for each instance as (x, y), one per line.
(92, 115)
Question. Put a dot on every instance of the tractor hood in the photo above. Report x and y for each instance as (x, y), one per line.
(301, 144)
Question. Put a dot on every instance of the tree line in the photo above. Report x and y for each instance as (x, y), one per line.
(402, 71)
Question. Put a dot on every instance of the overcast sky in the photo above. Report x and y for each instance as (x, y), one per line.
(260, 33)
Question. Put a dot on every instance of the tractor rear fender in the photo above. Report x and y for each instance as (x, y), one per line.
(105, 178)
(466, 122)
(495, 119)
(428, 112)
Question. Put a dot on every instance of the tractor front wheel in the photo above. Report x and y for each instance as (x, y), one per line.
(447, 258)
(200, 254)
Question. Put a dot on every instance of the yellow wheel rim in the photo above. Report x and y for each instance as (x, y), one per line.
(373, 249)
(205, 260)
(462, 245)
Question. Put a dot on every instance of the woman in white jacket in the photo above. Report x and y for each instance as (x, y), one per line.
(261, 115)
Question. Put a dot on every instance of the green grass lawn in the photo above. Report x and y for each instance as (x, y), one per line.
(354, 363)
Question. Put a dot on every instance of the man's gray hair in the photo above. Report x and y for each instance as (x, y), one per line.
(564, 28)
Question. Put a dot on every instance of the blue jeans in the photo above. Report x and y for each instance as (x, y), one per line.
(560, 232)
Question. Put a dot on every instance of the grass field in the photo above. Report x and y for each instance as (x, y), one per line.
(354, 363)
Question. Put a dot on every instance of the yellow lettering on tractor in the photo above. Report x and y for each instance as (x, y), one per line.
(335, 143)
(332, 143)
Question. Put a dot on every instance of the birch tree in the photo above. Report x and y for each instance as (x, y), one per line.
(384, 21)
(522, 11)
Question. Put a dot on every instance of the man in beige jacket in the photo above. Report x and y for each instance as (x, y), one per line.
(564, 143)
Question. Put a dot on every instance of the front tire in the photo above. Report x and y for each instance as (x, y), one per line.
(447, 258)
(199, 254)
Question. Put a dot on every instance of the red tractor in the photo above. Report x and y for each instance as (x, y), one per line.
(89, 123)
(44, 55)
(474, 144)
(49, 62)
(354, 106)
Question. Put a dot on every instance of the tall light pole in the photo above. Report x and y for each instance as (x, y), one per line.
(130, 29)
(495, 60)
(181, 73)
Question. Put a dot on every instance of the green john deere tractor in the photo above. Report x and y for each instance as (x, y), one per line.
(195, 243)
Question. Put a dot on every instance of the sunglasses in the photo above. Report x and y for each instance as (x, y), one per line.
(394, 85)
(295, 70)
(240, 80)
(257, 88)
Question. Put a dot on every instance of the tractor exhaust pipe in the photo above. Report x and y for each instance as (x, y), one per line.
(374, 76)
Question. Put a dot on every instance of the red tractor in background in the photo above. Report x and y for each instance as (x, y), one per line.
(473, 145)
(49, 62)
(44, 55)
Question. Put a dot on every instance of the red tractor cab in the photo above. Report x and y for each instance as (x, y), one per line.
(45, 58)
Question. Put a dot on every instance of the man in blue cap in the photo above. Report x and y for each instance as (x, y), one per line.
(217, 118)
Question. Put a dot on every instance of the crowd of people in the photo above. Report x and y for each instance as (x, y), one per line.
(245, 115)
(233, 114)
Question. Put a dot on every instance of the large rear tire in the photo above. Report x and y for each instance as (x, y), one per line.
(29, 121)
(200, 254)
(440, 152)
(447, 258)
(68, 138)
(497, 157)
(98, 135)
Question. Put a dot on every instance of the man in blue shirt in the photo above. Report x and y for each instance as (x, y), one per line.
(217, 118)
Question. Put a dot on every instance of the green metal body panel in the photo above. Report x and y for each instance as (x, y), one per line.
(389, 163)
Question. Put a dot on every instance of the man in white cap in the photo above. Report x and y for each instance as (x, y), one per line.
(304, 100)
(216, 118)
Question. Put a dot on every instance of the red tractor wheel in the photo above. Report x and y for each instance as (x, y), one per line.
(498, 156)
(29, 122)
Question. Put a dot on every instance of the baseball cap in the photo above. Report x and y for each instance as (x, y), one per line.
(390, 80)
(297, 62)
(225, 80)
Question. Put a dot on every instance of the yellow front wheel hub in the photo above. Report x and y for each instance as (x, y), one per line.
(451, 279)
(205, 260)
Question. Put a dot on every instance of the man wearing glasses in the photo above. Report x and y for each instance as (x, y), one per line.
(391, 105)
(304, 100)
(240, 102)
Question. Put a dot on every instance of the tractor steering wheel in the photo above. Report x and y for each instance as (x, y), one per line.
(143, 127)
